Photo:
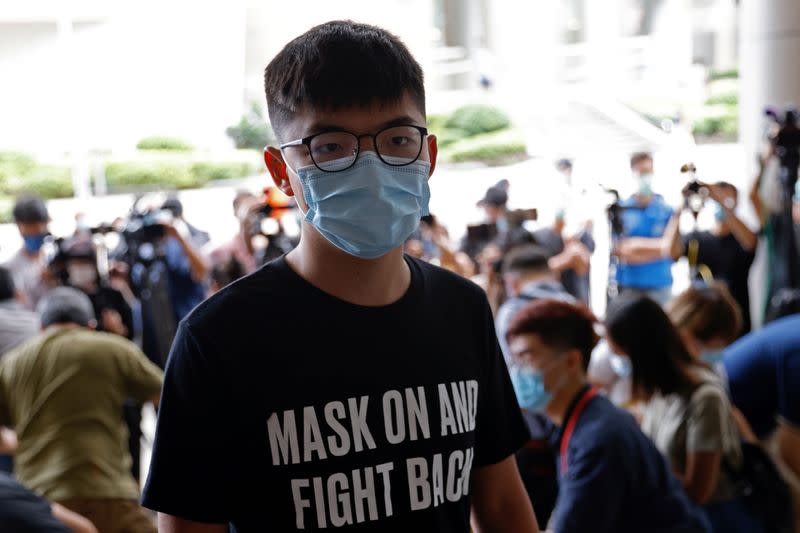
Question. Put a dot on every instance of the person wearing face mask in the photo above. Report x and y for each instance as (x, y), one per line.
(728, 249)
(611, 477)
(708, 319)
(114, 313)
(329, 368)
(28, 264)
(686, 411)
(645, 265)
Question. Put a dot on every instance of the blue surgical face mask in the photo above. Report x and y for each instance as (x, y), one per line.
(621, 365)
(712, 357)
(529, 387)
(368, 209)
(719, 212)
(645, 184)
(34, 243)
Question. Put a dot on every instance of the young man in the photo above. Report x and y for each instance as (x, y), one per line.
(28, 264)
(343, 385)
(611, 477)
(644, 265)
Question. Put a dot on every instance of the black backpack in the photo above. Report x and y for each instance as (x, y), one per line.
(763, 489)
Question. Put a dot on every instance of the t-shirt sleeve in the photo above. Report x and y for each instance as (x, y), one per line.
(191, 470)
(705, 423)
(143, 379)
(5, 408)
(589, 495)
(500, 429)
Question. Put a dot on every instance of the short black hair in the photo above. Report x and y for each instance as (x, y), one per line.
(30, 209)
(339, 64)
(560, 325)
(7, 288)
(638, 157)
(526, 258)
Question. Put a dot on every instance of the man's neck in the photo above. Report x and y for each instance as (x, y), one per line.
(533, 279)
(373, 283)
(557, 408)
(642, 200)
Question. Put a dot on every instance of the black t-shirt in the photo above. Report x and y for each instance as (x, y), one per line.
(285, 408)
(728, 262)
(22, 511)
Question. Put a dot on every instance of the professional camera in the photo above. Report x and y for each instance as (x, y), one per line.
(142, 233)
(695, 192)
(267, 232)
(786, 139)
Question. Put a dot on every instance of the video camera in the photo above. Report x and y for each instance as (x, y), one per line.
(787, 138)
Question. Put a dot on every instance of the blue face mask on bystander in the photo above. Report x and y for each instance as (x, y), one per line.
(529, 387)
(34, 243)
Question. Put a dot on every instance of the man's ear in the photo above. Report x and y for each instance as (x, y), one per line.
(433, 151)
(273, 159)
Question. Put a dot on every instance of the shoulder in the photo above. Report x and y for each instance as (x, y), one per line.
(261, 291)
(604, 425)
(439, 281)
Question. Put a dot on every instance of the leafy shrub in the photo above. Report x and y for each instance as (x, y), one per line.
(221, 170)
(436, 123)
(6, 209)
(47, 181)
(726, 125)
(490, 148)
(252, 131)
(729, 74)
(476, 119)
(728, 98)
(16, 163)
(447, 137)
(157, 142)
(156, 174)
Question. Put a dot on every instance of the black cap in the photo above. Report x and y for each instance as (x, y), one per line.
(495, 196)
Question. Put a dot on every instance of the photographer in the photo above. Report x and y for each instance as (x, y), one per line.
(113, 311)
(727, 250)
(237, 257)
(644, 266)
(579, 247)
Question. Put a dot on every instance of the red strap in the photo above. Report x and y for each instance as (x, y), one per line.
(570, 427)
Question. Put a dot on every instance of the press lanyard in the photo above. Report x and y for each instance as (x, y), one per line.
(570, 426)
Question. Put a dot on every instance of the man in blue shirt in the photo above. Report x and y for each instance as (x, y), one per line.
(611, 476)
(763, 371)
(645, 264)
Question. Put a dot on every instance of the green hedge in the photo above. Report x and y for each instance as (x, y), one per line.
(179, 173)
(6, 210)
(477, 118)
(729, 74)
(728, 98)
(159, 142)
(725, 125)
(493, 148)
(48, 181)
(447, 137)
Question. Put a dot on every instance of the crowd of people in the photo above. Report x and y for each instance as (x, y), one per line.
(379, 371)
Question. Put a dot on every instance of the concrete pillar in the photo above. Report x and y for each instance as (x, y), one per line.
(769, 70)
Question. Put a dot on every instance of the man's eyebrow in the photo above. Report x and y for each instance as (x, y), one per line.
(322, 127)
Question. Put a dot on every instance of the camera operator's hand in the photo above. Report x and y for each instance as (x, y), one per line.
(112, 322)
(198, 266)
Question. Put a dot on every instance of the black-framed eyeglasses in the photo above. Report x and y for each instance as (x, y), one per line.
(334, 151)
